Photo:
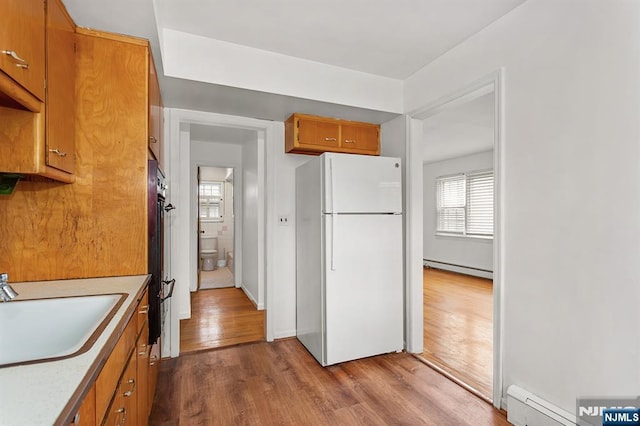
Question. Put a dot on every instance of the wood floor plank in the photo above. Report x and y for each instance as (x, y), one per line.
(458, 327)
(280, 383)
(220, 317)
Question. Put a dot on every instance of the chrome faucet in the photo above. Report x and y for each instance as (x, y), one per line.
(6, 292)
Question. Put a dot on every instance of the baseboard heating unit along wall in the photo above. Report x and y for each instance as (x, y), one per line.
(526, 409)
(461, 269)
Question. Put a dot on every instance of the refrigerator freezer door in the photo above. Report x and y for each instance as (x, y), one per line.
(361, 184)
(364, 293)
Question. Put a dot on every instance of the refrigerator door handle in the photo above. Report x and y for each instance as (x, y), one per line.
(334, 223)
(334, 216)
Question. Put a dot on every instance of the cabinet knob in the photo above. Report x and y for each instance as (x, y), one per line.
(153, 139)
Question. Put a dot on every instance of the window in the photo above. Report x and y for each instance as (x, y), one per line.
(465, 204)
(211, 196)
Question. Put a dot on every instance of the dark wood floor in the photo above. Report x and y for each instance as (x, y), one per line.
(281, 384)
(220, 317)
(458, 327)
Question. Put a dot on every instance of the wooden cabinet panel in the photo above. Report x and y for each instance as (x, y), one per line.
(313, 133)
(143, 350)
(109, 377)
(155, 116)
(308, 134)
(60, 102)
(86, 415)
(154, 369)
(360, 138)
(123, 408)
(22, 43)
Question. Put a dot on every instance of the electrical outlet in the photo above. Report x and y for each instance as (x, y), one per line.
(283, 220)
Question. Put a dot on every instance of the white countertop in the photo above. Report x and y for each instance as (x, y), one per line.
(36, 394)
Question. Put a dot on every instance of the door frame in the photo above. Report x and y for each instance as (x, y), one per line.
(491, 82)
(178, 167)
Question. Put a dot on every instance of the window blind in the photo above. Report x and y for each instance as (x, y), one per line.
(480, 204)
(451, 204)
(465, 204)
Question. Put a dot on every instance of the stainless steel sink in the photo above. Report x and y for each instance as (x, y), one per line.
(41, 330)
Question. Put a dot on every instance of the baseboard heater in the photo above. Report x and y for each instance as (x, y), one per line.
(468, 270)
(526, 409)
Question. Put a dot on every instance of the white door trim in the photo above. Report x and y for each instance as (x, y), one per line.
(486, 84)
(178, 172)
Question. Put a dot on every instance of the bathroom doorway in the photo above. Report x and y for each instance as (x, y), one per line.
(216, 228)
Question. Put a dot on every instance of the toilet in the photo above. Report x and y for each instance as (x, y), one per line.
(208, 252)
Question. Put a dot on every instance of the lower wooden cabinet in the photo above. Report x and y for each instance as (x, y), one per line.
(123, 392)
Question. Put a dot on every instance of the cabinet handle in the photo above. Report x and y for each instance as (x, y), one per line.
(144, 310)
(153, 359)
(123, 420)
(143, 348)
(330, 139)
(58, 152)
(15, 56)
(153, 139)
(349, 141)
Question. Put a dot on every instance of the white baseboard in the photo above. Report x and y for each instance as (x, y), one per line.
(459, 269)
(283, 334)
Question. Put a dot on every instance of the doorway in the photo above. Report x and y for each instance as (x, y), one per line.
(458, 242)
(444, 227)
(216, 228)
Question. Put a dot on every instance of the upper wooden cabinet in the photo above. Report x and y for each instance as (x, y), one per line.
(309, 134)
(22, 41)
(61, 100)
(38, 138)
(155, 115)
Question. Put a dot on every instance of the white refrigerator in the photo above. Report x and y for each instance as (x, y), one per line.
(349, 268)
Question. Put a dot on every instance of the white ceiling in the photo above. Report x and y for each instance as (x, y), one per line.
(392, 38)
(461, 130)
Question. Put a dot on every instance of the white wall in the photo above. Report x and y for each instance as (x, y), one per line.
(394, 135)
(469, 252)
(571, 238)
(284, 256)
(250, 221)
(198, 58)
(216, 154)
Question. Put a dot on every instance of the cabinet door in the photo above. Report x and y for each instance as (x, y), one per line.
(143, 376)
(154, 368)
(155, 115)
(22, 43)
(320, 134)
(360, 138)
(61, 105)
(86, 415)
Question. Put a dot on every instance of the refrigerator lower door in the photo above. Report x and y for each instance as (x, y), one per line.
(363, 293)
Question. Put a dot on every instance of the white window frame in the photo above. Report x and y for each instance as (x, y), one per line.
(210, 201)
(465, 208)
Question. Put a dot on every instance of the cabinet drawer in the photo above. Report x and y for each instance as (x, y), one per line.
(109, 376)
(123, 408)
(142, 312)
